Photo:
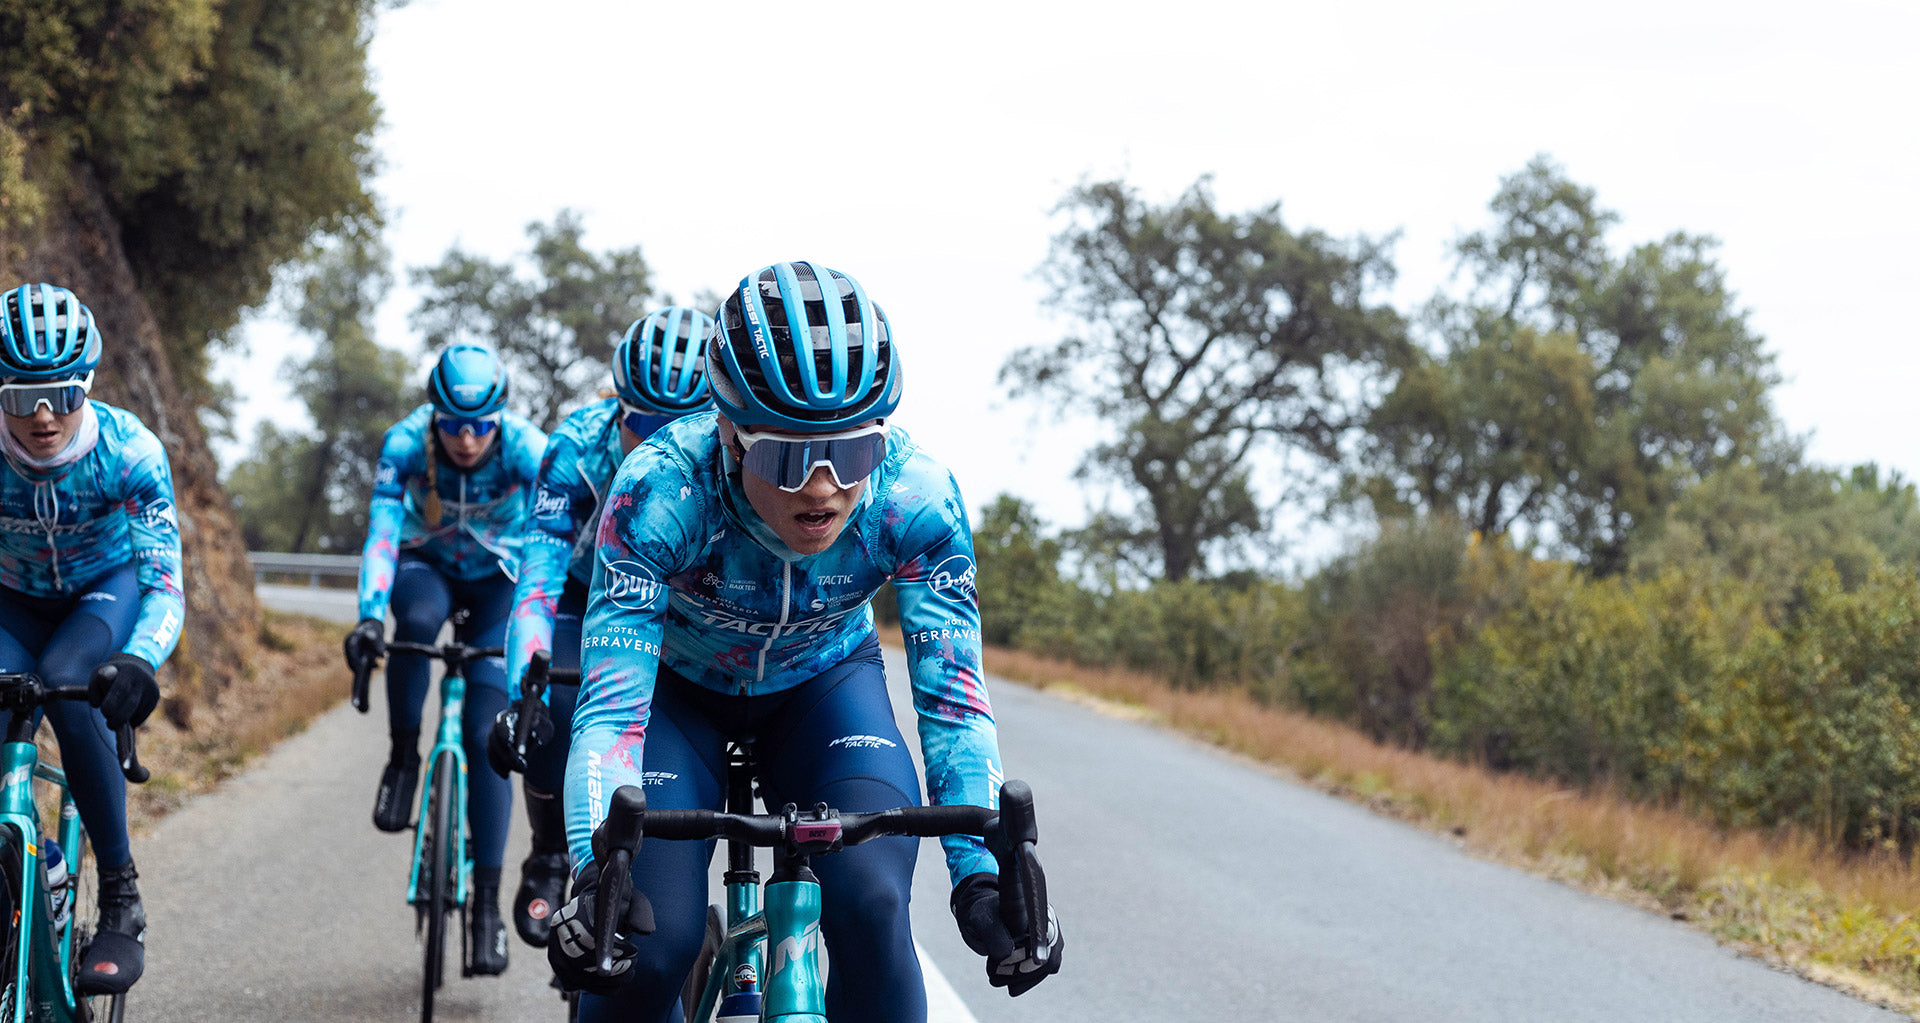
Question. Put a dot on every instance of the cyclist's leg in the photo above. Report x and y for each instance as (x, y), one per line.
(686, 765)
(489, 798)
(421, 601)
(543, 876)
(834, 741)
(25, 624)
(102, 619)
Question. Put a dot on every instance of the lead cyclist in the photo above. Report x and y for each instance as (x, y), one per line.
(658, 376)
(735, 569)
(89, 580)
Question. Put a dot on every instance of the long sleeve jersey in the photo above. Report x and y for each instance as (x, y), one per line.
(481, 508)
(575, 472)
(687, 576)
(60, 531)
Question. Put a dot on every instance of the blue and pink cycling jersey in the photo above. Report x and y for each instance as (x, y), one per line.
(581, 458)
(688, 577)
(481, 509)
(63, 530)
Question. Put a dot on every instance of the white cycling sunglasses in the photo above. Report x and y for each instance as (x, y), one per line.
(786, 460)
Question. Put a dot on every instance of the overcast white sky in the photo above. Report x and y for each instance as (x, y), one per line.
(920, 147)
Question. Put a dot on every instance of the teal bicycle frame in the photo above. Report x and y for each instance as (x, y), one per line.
(446, 761)
(448, 740)
(774, 949)
(43, 966)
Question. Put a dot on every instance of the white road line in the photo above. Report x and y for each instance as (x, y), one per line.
(943, 1003)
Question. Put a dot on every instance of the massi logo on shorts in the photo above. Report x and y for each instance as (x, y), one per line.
(631, 586)
(97, 595)
(955, 573)
(160, 513)
(861, 742)
(547, 502)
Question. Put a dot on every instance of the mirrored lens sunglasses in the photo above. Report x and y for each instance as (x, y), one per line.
(786, 460)
(61, 396)
(453, 426)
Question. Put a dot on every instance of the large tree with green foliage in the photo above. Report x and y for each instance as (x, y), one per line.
(1204, 336)
(224, 134)
(554, 327)
(302, 490)
(1574, 389)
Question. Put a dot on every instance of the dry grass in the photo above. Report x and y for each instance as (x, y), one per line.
(1847, 921)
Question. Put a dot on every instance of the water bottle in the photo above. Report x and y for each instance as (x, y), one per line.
(742, 1005)
(58, 890)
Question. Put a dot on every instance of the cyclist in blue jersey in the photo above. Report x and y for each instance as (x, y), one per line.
(658, 376)
(737, 558)
(89, 580)
(443, 536)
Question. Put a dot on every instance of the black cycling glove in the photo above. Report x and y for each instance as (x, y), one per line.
(976, 905)
(124, 690)
(500, 752)
(571, 947)
(367, 641)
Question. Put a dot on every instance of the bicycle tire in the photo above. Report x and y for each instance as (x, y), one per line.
(702, 966)
(10, 903)
(434, 856)
(85, 910)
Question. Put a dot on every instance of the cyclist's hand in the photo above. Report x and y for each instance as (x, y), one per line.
(367, 641)
(571, 948)
(500, 752)
(124, 690)
(976, 905)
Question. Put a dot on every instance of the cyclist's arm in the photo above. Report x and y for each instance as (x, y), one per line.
(940, 621)
(154, 530)
(650, 529)
(562, 505)
(400, 454)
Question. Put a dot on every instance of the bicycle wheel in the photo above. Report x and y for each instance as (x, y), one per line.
(10, 903)
(86, 913)
(702, 967)
(435, 852)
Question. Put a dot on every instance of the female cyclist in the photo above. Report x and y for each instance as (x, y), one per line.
(443, 535)
(89, 580)
(658, 376)
(736, 562)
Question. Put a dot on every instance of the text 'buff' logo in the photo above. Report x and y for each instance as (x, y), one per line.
(955, 573)
(631, 586)
(548, 502)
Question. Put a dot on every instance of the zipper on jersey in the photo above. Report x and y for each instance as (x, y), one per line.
(48, 513)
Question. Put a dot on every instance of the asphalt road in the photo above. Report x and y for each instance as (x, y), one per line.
(1191, 885)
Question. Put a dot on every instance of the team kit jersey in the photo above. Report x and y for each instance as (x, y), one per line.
(63, 530)
(687, 577)
(580, 460)
(480, 514)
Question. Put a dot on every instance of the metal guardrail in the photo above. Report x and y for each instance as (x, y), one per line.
(314, 566)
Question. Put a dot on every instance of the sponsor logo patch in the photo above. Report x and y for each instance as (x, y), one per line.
(861, 742)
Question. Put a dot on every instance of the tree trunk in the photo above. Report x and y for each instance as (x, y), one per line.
(78, 246)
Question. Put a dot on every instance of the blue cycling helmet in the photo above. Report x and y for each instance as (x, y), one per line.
(659, 366)
(840, 371)
(468, 382)
(46, 334)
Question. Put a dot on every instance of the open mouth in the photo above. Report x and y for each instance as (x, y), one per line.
(814, 520)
